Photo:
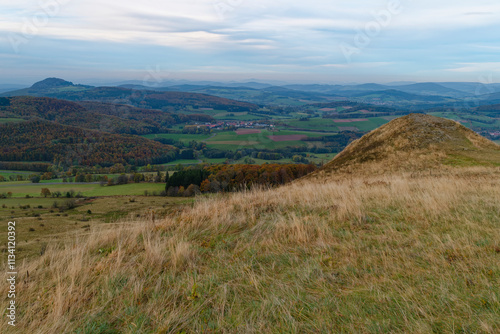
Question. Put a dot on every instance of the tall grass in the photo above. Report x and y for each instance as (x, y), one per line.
(396, 253)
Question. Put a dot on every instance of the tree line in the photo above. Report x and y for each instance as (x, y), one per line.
(229, 178)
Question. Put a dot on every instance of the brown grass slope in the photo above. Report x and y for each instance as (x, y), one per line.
(402, 252)
(393, 254)
(412, 143)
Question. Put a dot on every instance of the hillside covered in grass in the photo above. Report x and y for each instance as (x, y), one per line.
(414, 142)
(399, 252)
(390, 254)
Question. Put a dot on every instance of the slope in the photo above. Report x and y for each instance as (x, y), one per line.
(107, 117)
(34, 141)
(394, 254)
(414, 142)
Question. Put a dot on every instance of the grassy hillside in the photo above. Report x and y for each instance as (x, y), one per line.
(391, 237)
(396, 253)
(414, 142)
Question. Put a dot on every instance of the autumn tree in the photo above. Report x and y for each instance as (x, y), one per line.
(45, 192)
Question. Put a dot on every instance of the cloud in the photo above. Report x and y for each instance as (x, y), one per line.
(422, 35)
(488, 67)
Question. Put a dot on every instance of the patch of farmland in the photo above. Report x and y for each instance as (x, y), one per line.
(348, 128)
(287, 137)
(247, 131)
(350, 120)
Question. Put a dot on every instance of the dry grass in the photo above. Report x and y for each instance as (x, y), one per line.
(414, 142)
(398, 253)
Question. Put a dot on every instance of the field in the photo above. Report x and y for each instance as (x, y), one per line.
(247, 131)
(396, 253)
(350, 120)
(183, 162)
(7, 173)
(22, 189)
(43, 221)
(289, 129)
(279, 138)
(237, 116)
(178, 136)
(329, 124)
(11, 120)
(231, 140)
(313, 124)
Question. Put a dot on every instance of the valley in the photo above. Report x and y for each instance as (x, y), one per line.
(174, 213)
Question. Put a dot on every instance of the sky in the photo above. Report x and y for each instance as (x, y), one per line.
(323, 41)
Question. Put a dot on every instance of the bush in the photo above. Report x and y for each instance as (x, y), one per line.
(35, 179)
(69, 204)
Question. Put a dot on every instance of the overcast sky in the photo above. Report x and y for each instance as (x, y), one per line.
(95, 41)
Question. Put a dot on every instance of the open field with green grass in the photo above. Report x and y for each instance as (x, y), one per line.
(21, 189)
(178, 136)
(230, 140)
(214, 161)
(237, 116)
(40, 221)
(183, 162)
(7, 173)
(11, 120)
(375, 254)
(324, 124)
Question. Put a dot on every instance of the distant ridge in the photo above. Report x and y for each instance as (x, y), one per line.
(415, 142)
(143, 98)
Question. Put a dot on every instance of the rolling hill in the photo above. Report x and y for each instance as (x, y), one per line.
(398, 252)
(414, 142)
(273, 95)
(61, 89)
(430, 88)
(44, 141)
(107, 117)
(393, 96)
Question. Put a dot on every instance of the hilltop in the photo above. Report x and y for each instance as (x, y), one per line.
(51, 83)
(412, 143)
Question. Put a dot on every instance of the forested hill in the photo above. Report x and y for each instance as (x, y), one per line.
(51, 142)
(60, 89)
(105, 117)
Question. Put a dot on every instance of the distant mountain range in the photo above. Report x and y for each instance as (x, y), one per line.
(61, 89)
(248, 96)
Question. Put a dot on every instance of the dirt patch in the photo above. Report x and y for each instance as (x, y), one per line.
(247, 131)
(328, 109)
(350, 120)
(287, 137)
